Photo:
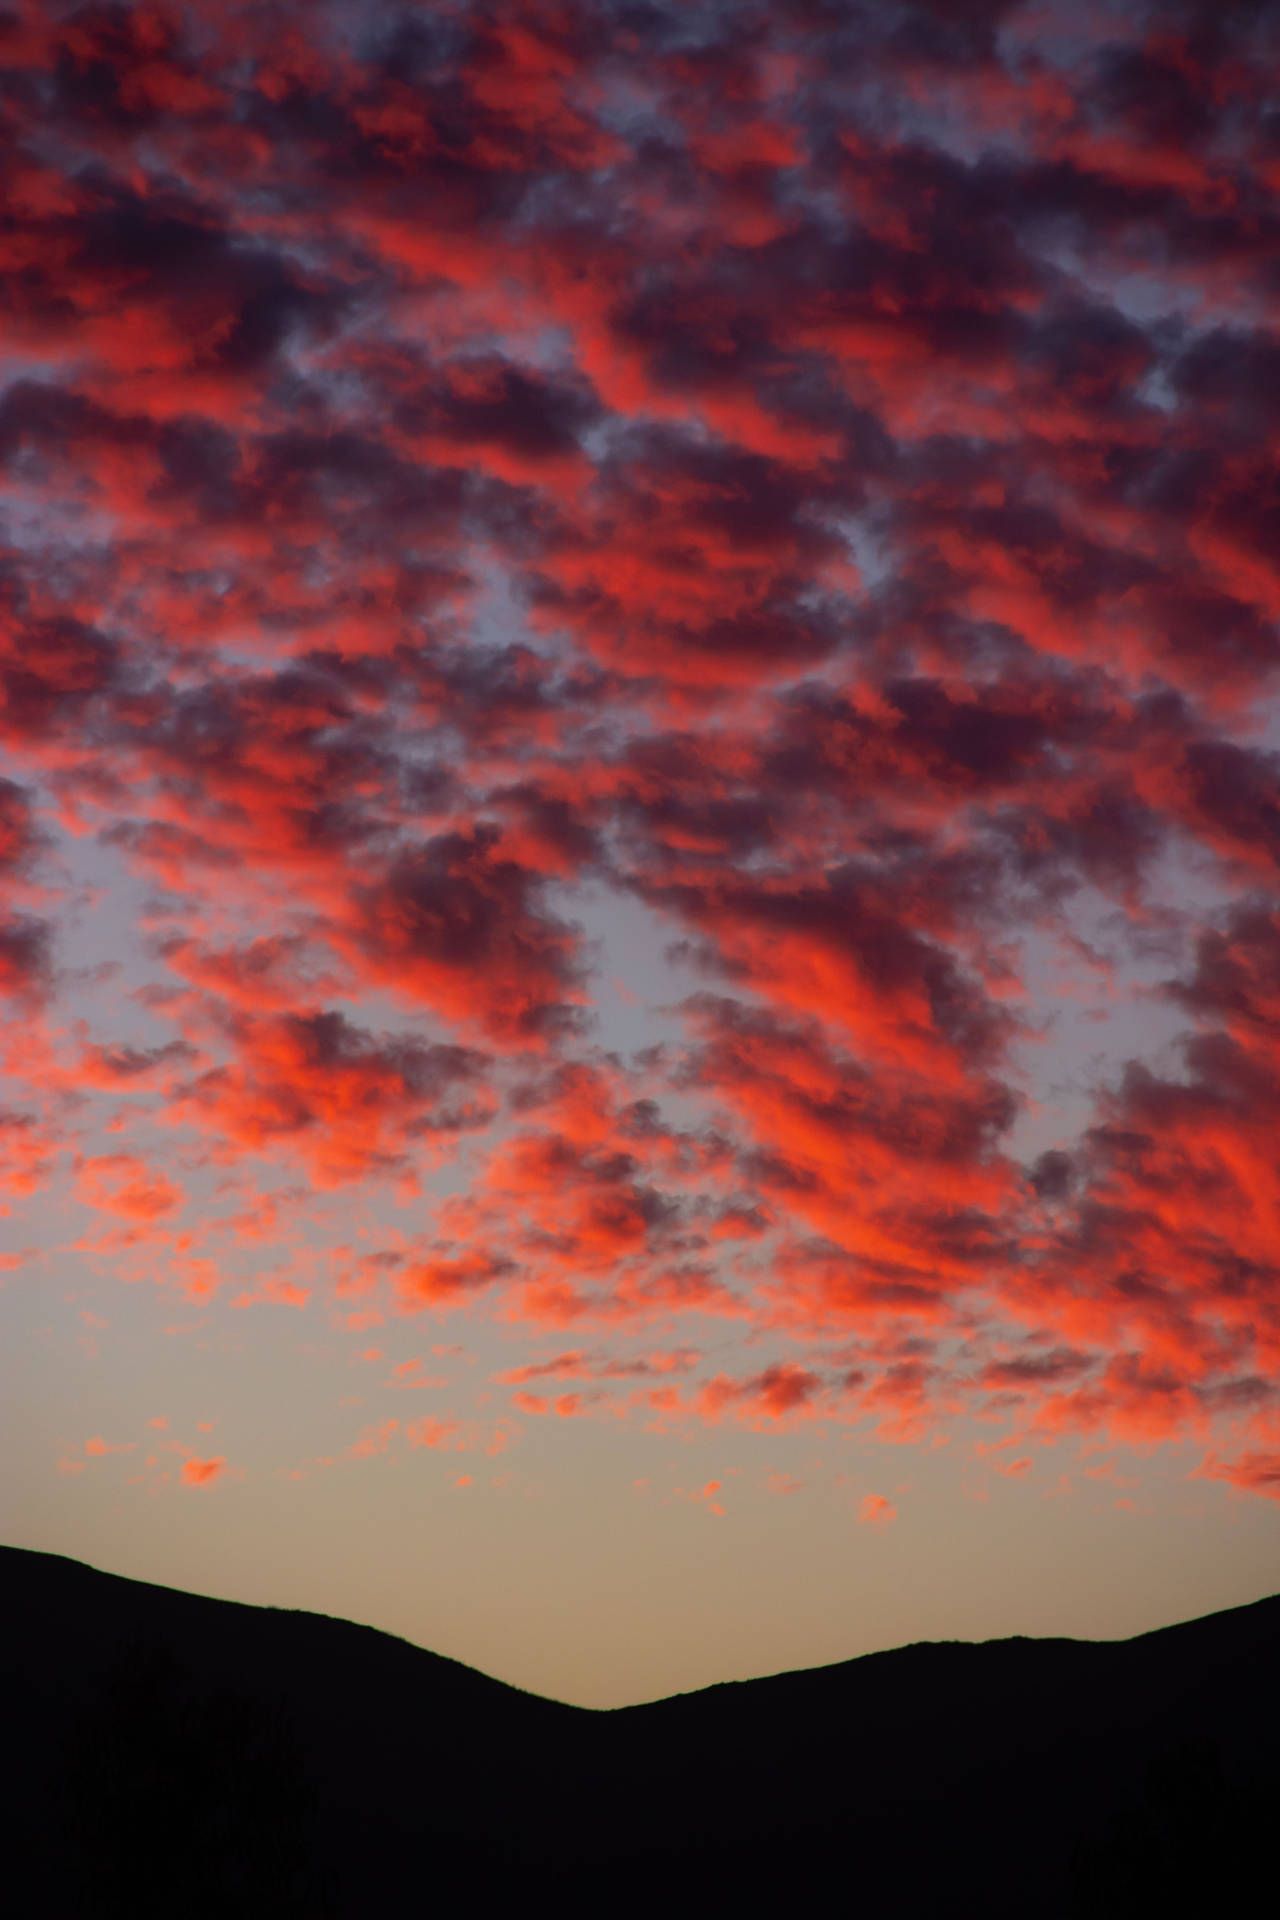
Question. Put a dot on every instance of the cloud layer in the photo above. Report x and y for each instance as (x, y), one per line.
(798, 477)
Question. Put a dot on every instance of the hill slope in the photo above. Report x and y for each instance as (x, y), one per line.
(179, 1755)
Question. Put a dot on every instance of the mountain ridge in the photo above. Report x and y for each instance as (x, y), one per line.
(315, 1766)
(11, 1555)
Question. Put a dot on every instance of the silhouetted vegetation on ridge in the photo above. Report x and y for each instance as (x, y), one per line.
(183, 1756)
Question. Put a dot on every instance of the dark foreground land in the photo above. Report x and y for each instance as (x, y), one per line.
(171, 1755)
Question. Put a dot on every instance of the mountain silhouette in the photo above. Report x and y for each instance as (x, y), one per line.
(183, 1756)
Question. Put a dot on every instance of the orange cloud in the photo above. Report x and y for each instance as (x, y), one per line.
(202, 1473)
(877, 1511)
(123, 1184)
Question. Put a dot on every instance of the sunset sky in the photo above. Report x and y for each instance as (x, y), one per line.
(639, 817)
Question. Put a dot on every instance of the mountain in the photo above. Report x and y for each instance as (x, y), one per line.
(180, 1756)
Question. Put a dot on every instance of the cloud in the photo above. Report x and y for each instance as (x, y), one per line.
(202, 1473)
(25, 957)
(877, 1510)
(1252, 1472)
(373, 1439)
(350, 1104)
(459, 926)
(429, 1432)
(121, 1183)
(771, 1395)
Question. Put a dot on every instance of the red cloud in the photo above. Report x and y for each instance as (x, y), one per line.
(773, 1394)
(429, 1432)
(447, 1280)
(202, 1473)
(352, 1105)
(459, 926)
(1252, 1472)
(121, 1183)
(877, 1511)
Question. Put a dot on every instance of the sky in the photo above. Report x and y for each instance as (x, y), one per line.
(639, 818)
